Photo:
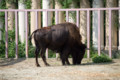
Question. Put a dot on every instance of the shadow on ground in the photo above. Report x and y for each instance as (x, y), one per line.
(91, 63)
(85, 62)
(51, 61)
(10, 61)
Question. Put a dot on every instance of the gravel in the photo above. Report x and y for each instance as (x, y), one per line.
(25, 69)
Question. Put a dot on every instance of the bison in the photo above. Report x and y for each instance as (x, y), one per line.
(63, 38)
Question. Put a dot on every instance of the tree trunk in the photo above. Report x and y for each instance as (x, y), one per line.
(61, 17)
(39, 13)
(47, 5)
(119, 26)
(10, 15)
(21, 5)
(35, 5)
(72, 13)
(98, 4)
(109, 4)
(83, 19)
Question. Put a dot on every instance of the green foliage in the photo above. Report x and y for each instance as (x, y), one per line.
(31, 51)
(11, 35)
(11, 49)
(67, 3)
(28, 4)
(12, 46)
(116, 55)
(2, 14)
(2, 49)
(21, 47)
(101, 59)
(2, 4)
(11, 1)
(51, 54)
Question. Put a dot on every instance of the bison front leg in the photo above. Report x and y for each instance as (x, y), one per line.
(43, 56)
(36, 56)
(64, 56)
(74, 61)
(67, 61)
(64, 59)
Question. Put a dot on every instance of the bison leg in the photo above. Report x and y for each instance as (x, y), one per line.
(64, 57)
(67, 61)
(36, 56)
(43, 56)
(74, 61)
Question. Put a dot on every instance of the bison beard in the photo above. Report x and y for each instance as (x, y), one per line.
(63, 38)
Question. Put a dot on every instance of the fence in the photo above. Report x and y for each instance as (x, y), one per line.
(56, 21)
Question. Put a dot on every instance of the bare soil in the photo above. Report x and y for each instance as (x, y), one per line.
(25, 69)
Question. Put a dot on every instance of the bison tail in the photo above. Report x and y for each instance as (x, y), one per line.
(30, 37)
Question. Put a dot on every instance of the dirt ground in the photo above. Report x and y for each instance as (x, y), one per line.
(25, 69)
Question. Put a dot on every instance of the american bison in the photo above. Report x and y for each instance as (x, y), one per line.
(63, 38)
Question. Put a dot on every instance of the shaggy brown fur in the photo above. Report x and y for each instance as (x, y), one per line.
(63, 38)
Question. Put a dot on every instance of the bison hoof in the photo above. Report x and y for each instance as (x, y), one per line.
(64, 64)
(68, 63)
(37, 65)
(47, 64)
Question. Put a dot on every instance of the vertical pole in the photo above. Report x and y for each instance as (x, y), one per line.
(36, 15)
(77, 17)
(88, 33)
(56, 22)
(99, 47)
(67, 16)
(26, 20)
(110, 51)
(46, 18)
(56, 17)
(47, 25)
(119, 26)
(6, 35)
(16, 33)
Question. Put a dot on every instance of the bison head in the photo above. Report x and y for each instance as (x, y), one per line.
(78, 54)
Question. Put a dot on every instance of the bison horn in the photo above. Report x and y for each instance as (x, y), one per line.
(87, 48)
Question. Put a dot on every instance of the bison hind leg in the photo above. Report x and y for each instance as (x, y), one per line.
(37, 50)
(42, 53)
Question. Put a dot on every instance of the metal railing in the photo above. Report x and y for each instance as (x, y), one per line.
(56, 21)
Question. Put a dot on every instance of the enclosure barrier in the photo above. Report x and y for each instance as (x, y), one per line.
(56, 21)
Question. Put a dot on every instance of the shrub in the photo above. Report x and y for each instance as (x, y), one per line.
(101, 59)
(31, 51)
(2, 49)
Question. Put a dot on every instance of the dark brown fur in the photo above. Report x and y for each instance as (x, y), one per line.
(63, 38)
